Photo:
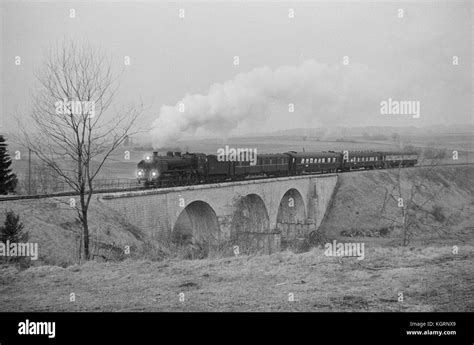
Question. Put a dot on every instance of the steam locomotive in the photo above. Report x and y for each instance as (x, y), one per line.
(178, 169)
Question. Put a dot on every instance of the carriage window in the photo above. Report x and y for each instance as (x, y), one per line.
(324, 160)
(302, 160)
(311, 160)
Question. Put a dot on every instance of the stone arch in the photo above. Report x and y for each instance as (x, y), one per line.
(250, 228)
(197, 224)
(291, 215)
(250, 215)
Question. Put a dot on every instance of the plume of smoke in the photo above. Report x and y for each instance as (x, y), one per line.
(321, 94)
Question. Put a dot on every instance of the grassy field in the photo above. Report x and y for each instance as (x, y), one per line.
(430, 278)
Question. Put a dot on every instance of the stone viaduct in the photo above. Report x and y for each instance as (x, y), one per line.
(249, 213)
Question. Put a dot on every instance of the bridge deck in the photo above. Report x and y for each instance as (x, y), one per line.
(209, 186)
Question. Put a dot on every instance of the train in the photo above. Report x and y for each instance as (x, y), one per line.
(179, 169)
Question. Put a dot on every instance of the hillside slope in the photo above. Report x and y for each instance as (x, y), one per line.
(449, 191)
(53, 224)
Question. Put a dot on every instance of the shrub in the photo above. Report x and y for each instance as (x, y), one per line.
(437, 213)
(13, 231)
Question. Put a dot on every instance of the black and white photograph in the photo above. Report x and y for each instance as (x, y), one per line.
(187, 159)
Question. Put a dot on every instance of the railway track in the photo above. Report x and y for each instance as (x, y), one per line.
(115, 190)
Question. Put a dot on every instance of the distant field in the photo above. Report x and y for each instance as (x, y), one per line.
(118, 167)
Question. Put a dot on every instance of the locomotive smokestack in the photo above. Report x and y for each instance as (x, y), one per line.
(155, 154)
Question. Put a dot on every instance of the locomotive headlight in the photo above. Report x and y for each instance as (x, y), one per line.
(140, 173)
(154, 173)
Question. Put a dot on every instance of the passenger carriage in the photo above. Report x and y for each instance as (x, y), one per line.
(314, 162)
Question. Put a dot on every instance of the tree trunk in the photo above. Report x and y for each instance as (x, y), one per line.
(85, 224)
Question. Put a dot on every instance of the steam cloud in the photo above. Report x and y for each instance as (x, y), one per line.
(321, 94)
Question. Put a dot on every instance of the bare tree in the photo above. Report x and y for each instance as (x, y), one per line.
(415, 200)
(71, 129)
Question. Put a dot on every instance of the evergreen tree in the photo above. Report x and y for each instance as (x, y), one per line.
(12, 229)
(8, 180)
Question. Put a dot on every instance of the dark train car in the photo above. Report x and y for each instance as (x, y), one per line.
(266, 164)
(399, 159)
(314, 162)
(217, 170)
(355, 160)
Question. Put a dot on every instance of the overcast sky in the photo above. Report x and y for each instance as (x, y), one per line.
(407, 58)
